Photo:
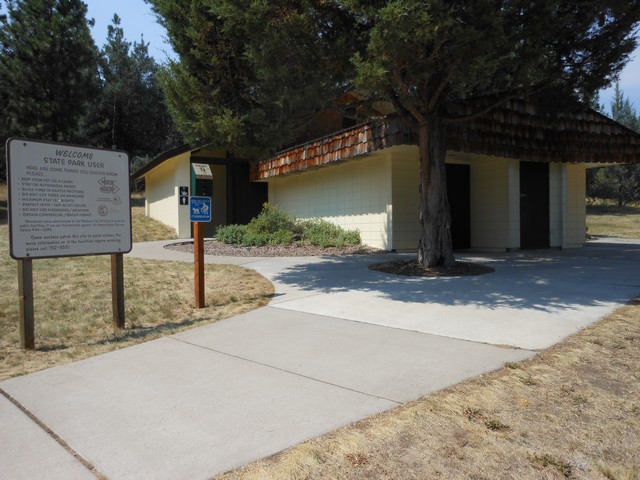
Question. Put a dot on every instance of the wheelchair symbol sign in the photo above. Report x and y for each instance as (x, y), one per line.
(200, 208)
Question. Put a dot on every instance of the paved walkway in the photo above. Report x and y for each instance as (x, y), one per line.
(338, 343)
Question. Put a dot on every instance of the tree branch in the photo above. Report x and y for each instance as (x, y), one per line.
(404, 90)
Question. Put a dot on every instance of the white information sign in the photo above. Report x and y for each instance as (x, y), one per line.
(67, 200)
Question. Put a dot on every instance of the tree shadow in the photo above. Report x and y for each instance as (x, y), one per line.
(141, 332)
(545, 280)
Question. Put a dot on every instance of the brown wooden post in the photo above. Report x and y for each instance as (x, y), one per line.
(25, 292)
(117, 289)
(198, 254)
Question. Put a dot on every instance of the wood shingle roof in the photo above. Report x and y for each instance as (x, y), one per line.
(516, 130)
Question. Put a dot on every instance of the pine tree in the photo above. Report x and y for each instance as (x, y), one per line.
(47, 68)
(620, 183)
(130, 113)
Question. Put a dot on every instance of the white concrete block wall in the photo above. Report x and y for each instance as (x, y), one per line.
(576, 207)
(161, 194)
(513, 204)
(557, 204)
(378, 194)
(354, 194)
(495, 189)
(405, 171)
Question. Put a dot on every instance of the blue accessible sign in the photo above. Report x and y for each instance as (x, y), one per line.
(200, 209)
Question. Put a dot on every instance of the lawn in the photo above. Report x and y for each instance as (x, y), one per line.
(607, 219)
(72, 296)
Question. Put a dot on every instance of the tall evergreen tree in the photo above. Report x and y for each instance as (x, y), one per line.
(620, 183)
(242, 60)
(622, 110)
(48, 65)
(253, 72)
(130, 113)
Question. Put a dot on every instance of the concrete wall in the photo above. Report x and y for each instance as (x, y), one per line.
(495, 203)
(405, 181)
(161, 192)
(576, 208)
(557, 203)
(355, 194)
(567, 211)
(378, 194)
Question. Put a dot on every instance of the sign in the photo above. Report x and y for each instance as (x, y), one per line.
(202, 171)
(184, 195)
(200, 208)
(67, 200)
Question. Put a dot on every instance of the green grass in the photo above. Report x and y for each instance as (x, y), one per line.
(607, 219)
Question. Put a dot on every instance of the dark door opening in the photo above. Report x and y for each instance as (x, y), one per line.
(534, 205)
(459, 194)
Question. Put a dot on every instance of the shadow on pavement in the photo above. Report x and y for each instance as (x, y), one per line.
(545, 280)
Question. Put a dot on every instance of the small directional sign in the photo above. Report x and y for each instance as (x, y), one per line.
(108, 186)
(200, 209)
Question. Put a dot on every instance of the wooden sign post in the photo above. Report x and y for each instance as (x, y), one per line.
(198, 253)
(25, 293)
(65, 201)
(200, 208)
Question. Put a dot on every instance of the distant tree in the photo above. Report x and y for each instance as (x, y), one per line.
(130, 113)
(622, 111)
(248, 68)
(48, 65)
(619, 183)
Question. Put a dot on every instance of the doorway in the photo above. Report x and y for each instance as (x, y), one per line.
(459, 195)
(534, 205)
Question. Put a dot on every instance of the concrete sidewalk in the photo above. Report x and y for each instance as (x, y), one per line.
(339, 342)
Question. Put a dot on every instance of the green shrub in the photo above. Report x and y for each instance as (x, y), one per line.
(275, 227)
(232, 234)
(271, 220)
(326, 234)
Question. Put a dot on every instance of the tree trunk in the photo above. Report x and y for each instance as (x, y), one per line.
(434, 248)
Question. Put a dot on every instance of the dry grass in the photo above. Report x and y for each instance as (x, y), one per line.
(72, 299)
(610, 220)
(145, 229)
(571, 412)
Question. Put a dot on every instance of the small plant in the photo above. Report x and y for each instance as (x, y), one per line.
(473, 413)
(547, 460)
(579, 400)
(496, 425)
(529, 380)
(512, 365)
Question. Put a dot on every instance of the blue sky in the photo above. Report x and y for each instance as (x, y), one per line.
(137, 19)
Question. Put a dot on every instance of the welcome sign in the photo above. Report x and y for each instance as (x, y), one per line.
(67, 200)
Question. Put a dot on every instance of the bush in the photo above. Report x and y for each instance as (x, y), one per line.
(275, 227)
(326, 234)
(232, 234)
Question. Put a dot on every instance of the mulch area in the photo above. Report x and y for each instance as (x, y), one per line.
(412, 268)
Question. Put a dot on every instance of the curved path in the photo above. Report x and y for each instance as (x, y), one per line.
(338, 342)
